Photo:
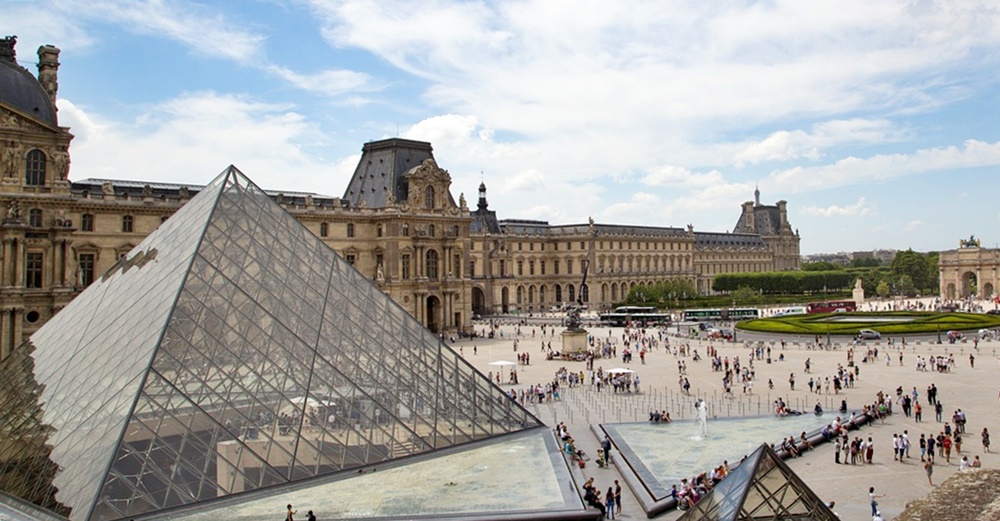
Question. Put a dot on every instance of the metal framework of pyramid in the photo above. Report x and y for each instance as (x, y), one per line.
(232, 350)
(761, 487)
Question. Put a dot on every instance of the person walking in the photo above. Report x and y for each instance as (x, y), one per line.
(929, 469)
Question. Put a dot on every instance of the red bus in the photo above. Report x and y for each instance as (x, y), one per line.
(832, 306)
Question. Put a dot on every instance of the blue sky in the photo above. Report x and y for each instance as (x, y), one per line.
(876, 121)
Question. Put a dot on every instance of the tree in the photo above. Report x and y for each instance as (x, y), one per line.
(882, 289)
(865, 262)
(820, 266)
(913, 264)
(905, 286)
(745, 295)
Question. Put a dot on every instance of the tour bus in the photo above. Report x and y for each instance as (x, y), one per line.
(635, 315)
(832, 306)
(733, 314)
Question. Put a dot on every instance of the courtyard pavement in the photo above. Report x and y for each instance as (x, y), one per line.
(972, 389)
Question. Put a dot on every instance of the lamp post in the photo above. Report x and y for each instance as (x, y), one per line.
(939, 333)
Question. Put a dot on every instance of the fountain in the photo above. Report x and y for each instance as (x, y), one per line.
(702, 418)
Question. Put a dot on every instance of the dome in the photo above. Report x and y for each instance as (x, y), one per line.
(20, 89)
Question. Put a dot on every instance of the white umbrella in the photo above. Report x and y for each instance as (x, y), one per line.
(298, 400)
(619, 370)
(502, 362)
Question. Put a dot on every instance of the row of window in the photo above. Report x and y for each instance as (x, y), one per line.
(324, 230)
(611, 245)
(34, 267)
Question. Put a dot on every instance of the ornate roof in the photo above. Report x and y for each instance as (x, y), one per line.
(19, 89)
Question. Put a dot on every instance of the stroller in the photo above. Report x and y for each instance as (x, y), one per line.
(601, 460)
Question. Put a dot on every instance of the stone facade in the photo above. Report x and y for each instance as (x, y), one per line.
(969, 270)
(397, 223)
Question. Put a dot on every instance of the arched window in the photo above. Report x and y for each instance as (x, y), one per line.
(378, 230)
(324, 229)
(572, 294)
(558, 290)
(429, 197)
(431, 259)
(350, 230)
(584, 293)
(35, 217)
(87, 222)
(34, 168)
(127, 223)
(520, 294)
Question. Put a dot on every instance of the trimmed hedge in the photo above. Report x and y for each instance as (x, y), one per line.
(923, 322)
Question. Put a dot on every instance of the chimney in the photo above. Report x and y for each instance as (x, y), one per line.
(48, 68)
(784, 213)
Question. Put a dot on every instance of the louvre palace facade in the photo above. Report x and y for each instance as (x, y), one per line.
(397, 223)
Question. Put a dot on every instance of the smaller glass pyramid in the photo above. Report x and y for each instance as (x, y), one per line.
(762, 487)
(231, 351)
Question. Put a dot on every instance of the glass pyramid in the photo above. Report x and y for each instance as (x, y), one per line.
(230, 351)
(761, 487)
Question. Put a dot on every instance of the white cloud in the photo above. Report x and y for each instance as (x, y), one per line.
(785, 145)
(858, 209)
(192, 138)
(328, 82)
(915, 224)
(883, 167)
(672, 176)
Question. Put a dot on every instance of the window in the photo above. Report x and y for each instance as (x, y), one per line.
(569, 266)
(555, 267)
(34, 168)
(429, 197)
(472, 267)
(503, 268)
(33, 270)
(431, 230)
(457, 263)
(86, 266)
(432, 264)
(406, 229)
(127, 223)
(35, 218)
(531, 246)
(324, 229)
(520, 268)
(351, 258)
(350, 230)
(404, 266)
(378, 230)
(541, 265)
(531, 267)
(87, 222)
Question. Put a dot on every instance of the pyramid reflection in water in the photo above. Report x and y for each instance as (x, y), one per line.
(231, 350)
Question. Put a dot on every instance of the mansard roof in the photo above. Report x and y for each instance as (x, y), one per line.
(382, 169)
(728, 240)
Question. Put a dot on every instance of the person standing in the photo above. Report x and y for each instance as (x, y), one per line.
(311, 516)
(610, 501)
(290, 514)
(873, 498)
(929, 469)
(986, 440)
(618, 497)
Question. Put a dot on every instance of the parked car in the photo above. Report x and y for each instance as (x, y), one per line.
(993, 312)
(869, 334)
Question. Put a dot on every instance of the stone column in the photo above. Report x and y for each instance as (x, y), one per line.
(57, 264)
(7, 269)
(6, 333)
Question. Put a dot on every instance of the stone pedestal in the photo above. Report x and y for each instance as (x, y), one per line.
(574, 341)
(858, 293)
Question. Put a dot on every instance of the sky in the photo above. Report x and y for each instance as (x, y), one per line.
(876, 120)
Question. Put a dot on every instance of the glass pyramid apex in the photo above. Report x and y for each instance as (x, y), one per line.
(232, 350)
(762, 487)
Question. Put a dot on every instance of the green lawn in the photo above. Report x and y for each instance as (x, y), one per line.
(922, 322)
